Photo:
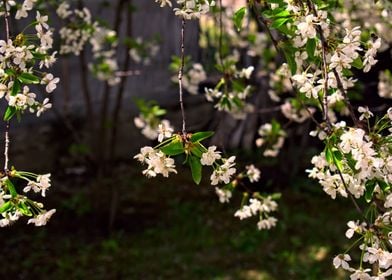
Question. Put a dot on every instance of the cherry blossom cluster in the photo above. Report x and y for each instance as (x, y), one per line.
(231, 92)
(14, 205)
(79, 30)
(22, 63)
(350, 48)
(372, 15)
(376, 259)
(224, 175)
(150, 122)
(158, 162)
(358, 163)
(272, 138)
(141, 51)
(189, 9)
(260, 206)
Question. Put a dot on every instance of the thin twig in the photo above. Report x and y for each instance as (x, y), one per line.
(324, 47)
(262, 22)
(84, 79)
(7, 126)
(346, 99)
(103, 137)
(180, 74)
(85, 86)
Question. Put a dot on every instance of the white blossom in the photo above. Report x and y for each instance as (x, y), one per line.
(209, 157)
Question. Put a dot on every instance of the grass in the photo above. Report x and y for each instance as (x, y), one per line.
(172, 229)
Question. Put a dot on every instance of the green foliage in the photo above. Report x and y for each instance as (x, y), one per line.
(196, 168)
(28, 78)
(238, 17)
(200, 136)
(190, 146)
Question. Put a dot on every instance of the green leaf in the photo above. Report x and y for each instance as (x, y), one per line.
(9, 72)
(9, 113)
(290, 61)
(357, 63)
(279, 22)
(28, 78)
(311, 47)
(384, 186)
(239, 17)
(199, 136)
(11, 188)
(338, 157)
(196, 167)
(173, 148)
(276, 196)
(16, 88)
(351, 162)
(5, 207)
(22, 207)
(370, 186)
(329, 155)
(197, 150)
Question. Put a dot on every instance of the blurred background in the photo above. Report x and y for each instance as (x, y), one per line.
(113, 223)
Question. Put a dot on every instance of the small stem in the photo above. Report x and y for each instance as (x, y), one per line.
(7, 126)
(180, 75)
(353, 244)
(262, 22)
(346, 99)
(350, 195)
(6, 147)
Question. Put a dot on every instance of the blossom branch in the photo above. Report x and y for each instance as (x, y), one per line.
(262, 22)
(180, 75)
(7, 126)
(324, 47)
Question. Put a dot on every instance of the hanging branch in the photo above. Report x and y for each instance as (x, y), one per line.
(102, 129)
(121, 88)
(324, 47)
(180, 74)
(7, 126)
(84, 79)
(262, 22)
